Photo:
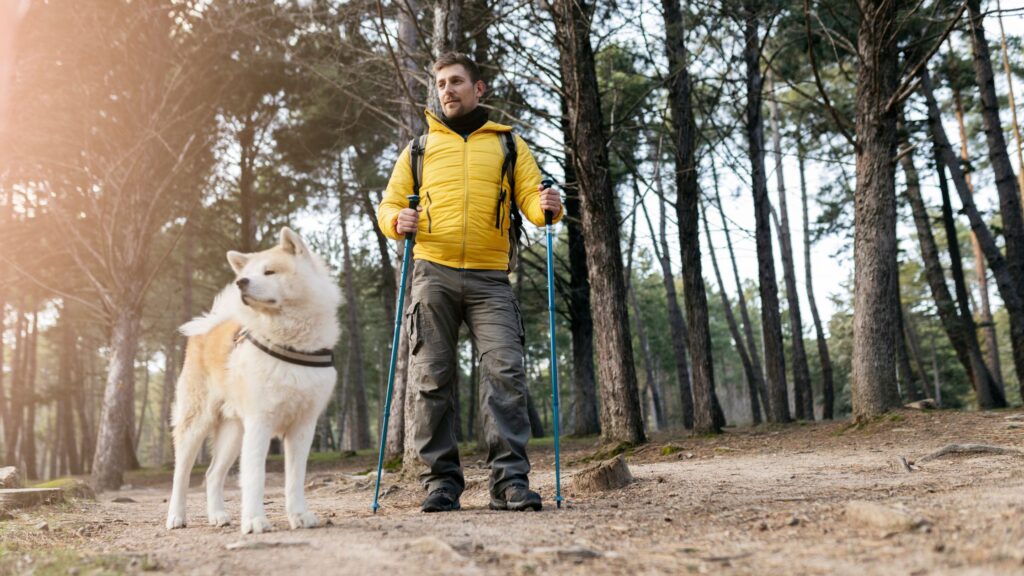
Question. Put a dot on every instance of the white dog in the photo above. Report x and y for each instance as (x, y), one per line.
(258, 365)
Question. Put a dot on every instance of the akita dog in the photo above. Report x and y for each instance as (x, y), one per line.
(258, 365)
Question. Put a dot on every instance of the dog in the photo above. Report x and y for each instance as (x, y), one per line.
(259, 364)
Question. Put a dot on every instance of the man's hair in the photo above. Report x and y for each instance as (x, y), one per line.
(452, 58)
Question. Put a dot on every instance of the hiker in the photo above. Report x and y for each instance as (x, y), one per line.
(470, 174)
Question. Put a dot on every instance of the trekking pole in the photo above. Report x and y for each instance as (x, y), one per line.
(548, 217)
(414, 201)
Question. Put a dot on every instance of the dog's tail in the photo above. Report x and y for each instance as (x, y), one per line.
(221, 311)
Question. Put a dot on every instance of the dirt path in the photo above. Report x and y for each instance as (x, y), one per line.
(753, 501)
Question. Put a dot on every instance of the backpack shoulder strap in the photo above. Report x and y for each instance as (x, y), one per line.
(508, 164)
(417, 151)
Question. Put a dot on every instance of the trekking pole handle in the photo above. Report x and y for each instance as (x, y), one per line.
(545, 184)
(414, 202)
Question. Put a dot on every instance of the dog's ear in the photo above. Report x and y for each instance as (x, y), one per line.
(237, 261)
(291, 242)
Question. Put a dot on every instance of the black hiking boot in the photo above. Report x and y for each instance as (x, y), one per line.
(517, 498)
(440, 500)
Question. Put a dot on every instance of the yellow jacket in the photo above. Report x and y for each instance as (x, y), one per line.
(459, 197)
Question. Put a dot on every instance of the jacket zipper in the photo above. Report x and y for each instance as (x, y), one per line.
(465, 195)
(430, 221)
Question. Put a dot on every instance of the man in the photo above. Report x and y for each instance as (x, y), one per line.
(460, 274)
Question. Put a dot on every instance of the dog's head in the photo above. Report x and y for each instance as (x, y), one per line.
(286, 275)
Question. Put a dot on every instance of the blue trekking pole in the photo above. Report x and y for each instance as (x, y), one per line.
(414, 201)
(548, 216)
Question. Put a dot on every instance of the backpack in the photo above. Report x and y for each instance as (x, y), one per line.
(417, 151)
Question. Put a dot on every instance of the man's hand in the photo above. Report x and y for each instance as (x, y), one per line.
(550, 200)
(408, 221)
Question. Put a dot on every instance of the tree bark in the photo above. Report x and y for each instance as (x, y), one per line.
(827, 384)
(28, 436)
(687, 215)
(1008, 288)
(581, 321)
(874, 245)
(447, 37)
(771, 321)
(802, 391)
(16, 413)
(959, 329)
(620, 403)
(111, 458)
(66, 420)
(638, 322)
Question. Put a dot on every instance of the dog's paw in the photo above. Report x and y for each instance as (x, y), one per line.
(303, 520)
(256, 525)
(220, 518)
(175, 521)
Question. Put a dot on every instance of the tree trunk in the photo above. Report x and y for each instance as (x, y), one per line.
(677, 324)
(874, 246)
(1010, 98)
(827, 384)
(65, 419)
(959, 329)
(986, 322)
(167, 393)
(741, 302)
(1006, 182)
(28, 436)
(16, 413)
(137, 433)
(638, 322)
(111, 458)
(687, 215)
(1008, 287)
(771, 322)
(748, 367)
(247, 182)
(581, 321)
(905, 371)
(357, 379)
(802, 392)
(620, 402)
(447, 37)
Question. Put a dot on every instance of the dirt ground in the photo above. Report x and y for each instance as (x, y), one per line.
(764, 500)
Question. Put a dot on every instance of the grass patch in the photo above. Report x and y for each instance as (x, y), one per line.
(64, 561)
(607, 452)
(670, 449)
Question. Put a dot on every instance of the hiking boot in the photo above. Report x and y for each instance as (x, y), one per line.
(440, 500)
(517, 498)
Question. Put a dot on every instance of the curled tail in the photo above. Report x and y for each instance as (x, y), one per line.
(222, 310)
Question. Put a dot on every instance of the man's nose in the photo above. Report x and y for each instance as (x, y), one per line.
(242, 283)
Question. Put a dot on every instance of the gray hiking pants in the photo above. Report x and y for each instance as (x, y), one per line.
(442, 299)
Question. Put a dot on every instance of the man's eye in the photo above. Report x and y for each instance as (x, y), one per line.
(269, 272)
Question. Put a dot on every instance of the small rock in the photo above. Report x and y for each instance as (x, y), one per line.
(879, 516)
(926, 404)
(668, 519)
(574, 553)
(42, 527)
(123, 500)
(763, 526)
(607, 475)
(940, 547)
(794, 521)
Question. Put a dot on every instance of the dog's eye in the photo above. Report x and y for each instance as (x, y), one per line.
(269, 272)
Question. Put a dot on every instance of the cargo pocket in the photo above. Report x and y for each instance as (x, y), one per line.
(412, 321)
(520, 326)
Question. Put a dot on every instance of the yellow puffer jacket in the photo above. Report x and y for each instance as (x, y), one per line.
(459, 197)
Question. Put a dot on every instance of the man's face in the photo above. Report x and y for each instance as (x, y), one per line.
(458, 94)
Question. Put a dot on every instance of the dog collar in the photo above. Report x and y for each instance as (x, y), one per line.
(323, 358)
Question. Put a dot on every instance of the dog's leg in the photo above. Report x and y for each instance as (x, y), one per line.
(297, 443)
(252, 472)
(188, 438)
(227, 444)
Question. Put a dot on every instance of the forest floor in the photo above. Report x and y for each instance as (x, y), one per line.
(761, 500)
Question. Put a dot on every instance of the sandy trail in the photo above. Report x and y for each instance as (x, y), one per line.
(753, 501)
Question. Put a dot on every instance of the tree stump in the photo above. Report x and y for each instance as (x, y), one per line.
(9, 477)
(607, 475)
(14, 498)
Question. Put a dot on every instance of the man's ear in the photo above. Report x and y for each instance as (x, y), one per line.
(480, 88)
(292, 242)
(237, 261)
